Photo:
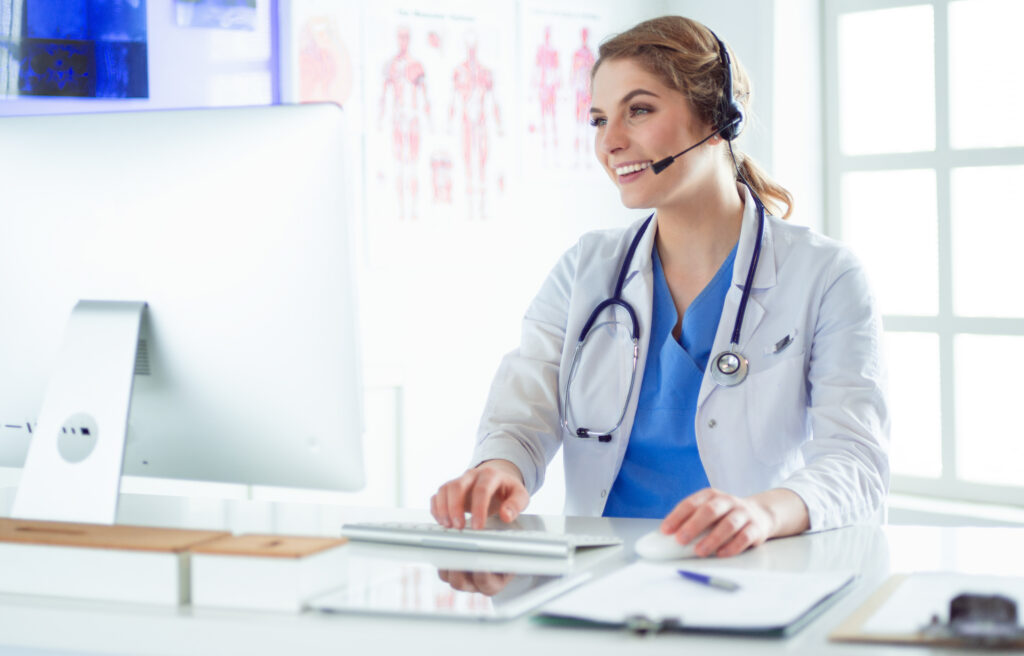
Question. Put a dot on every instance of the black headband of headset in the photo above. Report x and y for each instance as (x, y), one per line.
(730, 113)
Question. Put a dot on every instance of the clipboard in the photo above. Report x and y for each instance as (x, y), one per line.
(652, 597)
(886, 619)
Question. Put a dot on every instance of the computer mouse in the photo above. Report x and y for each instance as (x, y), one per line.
(658, 546)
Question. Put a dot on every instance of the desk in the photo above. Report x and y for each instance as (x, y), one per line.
(71, 626)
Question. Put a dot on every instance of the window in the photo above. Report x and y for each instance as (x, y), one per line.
(925, 161)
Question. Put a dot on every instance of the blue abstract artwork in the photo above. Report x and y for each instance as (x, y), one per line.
(56, 67)
(77, 48)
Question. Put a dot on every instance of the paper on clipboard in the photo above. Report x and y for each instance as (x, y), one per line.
(767, 602)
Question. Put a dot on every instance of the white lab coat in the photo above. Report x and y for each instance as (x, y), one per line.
(811, 417)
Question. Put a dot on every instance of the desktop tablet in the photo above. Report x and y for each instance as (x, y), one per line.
(425, 590)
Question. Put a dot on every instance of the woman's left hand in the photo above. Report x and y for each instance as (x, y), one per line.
(735, 524)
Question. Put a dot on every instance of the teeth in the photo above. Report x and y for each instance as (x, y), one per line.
(631, 168)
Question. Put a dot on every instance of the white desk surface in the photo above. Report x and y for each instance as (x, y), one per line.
(48, 626)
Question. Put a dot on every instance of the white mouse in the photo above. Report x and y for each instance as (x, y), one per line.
(658, 546)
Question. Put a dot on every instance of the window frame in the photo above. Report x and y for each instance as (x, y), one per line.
(946, 324)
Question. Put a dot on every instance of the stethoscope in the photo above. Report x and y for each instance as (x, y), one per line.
(728, 369)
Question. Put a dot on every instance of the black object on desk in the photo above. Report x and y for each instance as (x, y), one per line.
(979, 620)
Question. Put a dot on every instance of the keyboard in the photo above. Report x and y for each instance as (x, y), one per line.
(505, 541)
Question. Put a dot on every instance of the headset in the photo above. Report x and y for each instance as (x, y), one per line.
(730, 112)
(729, 117)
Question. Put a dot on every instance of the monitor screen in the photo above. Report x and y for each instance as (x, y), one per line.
(234, 227)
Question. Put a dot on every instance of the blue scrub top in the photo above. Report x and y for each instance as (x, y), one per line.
(662, 465)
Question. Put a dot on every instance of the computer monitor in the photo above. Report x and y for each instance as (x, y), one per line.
(232, 228)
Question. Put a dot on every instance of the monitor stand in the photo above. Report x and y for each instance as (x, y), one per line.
(72, 472)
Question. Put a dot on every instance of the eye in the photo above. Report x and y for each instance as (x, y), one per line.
(598, 122)
(640, 110)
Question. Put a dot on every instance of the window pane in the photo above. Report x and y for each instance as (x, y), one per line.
(914, 403)
(984, 73)
(887, 93)
(889, 218)
(988, 229)
(989, 433)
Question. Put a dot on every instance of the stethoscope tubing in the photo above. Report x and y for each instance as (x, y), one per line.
(749, 283)
(722, 378)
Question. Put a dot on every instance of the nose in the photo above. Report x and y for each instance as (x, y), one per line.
(612, 138)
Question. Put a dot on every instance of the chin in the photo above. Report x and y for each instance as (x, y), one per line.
(633, 203)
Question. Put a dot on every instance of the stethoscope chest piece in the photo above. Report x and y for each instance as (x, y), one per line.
(729, 368)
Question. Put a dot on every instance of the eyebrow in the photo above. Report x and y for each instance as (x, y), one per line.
(629, 96)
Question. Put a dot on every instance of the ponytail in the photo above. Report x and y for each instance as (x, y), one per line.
(771, 193)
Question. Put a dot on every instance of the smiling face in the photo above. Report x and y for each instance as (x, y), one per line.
(639, 120)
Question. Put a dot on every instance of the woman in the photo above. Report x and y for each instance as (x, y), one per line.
(760, 410)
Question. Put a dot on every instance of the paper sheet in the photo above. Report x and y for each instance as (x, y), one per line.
(766, 600)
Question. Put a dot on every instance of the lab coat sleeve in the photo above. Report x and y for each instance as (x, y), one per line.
(520, 420)
(846, 474)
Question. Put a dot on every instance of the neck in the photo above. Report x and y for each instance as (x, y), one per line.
(698, 234)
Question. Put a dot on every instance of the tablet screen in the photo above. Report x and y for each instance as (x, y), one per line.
(413, 588)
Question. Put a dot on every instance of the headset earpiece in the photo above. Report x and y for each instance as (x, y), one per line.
(730, 112)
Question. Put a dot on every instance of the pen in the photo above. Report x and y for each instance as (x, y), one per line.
(712, 581)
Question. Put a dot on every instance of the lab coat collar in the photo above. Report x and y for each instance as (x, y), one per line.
(764, 277)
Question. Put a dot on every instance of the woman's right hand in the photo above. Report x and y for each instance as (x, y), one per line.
(492, 487)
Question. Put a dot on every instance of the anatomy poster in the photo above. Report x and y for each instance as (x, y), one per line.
(321, 47)
(322, 53)
(439, 83)
(558, 46)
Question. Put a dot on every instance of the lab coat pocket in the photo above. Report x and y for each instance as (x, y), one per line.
(775, 404)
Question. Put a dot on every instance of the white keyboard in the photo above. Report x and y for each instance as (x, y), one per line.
(507, 541)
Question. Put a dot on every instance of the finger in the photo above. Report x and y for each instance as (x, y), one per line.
(461, 581)
(456, 499)
(747, 537)
(489, 583)
(439, 505)
(480, 500)
(443, 503)
(704, 518)
(722, 532)
(683, 510)
(516, 502)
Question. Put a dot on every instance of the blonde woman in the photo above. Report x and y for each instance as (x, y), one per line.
(711, 365)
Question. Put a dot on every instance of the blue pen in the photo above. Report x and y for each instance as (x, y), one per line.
(711, 581)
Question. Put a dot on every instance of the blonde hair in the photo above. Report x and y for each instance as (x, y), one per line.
(684, 55)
